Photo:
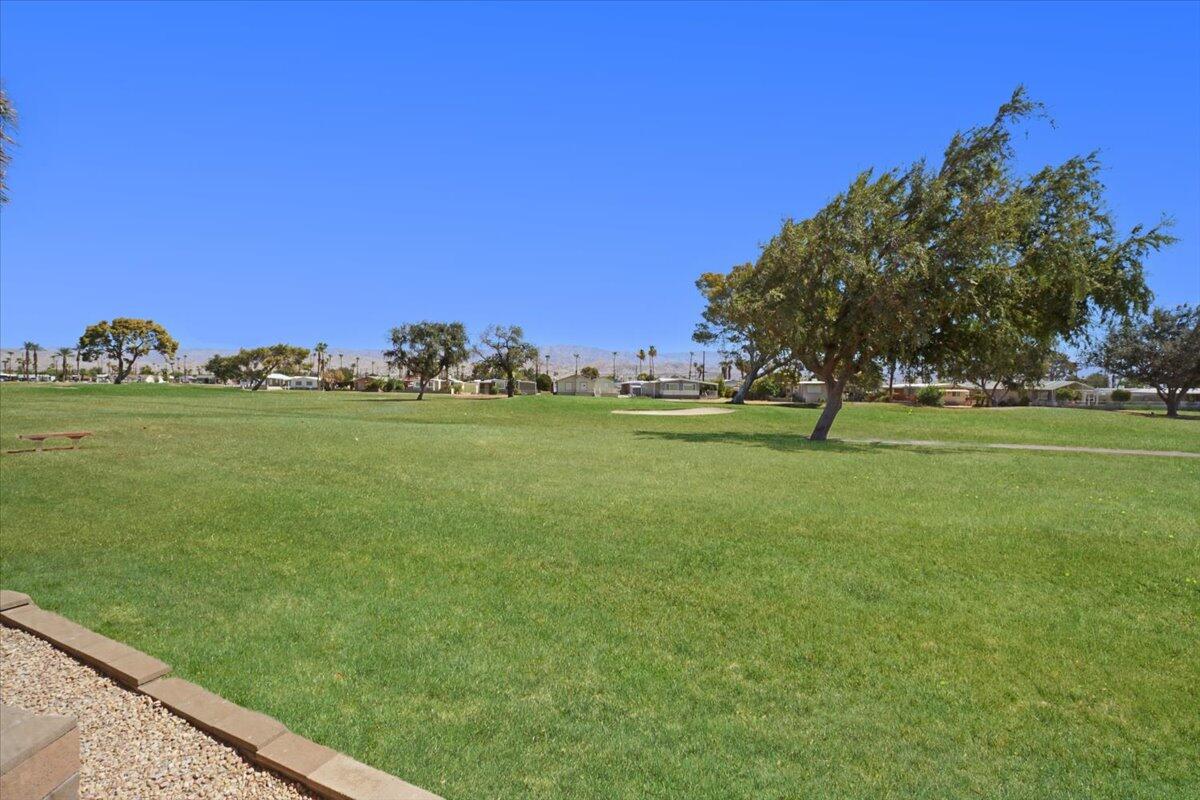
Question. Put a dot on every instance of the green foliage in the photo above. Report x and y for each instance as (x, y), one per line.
(505, 350)
(590, 372)
(1097, 380)
(1068, 394)
(1059, 367)
(544, 382)
(252, 366)
(733, 320)
(125, 340)
(923, 266)
(1121, 395)
(929, 396)
(1161, 350)
(765, 389)
(426, 349)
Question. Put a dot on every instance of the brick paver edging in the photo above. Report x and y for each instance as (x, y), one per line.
(259, 738)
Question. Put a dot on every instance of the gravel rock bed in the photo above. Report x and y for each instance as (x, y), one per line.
(130, 746)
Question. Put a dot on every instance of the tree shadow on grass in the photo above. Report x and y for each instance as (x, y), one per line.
(1190, 416)
(799, 443)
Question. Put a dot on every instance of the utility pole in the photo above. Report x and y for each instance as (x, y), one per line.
(614, 352)
(691, 359)
(577, 363)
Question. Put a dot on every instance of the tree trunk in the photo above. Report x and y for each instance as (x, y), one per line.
(421, 391)
(1173, 399)
(121, 372)
(511, 382)
(739, 397)
(833, 404)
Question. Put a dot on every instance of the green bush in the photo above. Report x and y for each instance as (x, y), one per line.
(1121, 395)
(929, 396)
(544, 382)
(764, 389)
(1068, 394)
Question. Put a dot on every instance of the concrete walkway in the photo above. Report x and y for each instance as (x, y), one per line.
(1053, 448)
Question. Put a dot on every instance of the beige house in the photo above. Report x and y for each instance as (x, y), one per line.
(1047, 394)
(953, 394)
(581, 385)
(809, 392)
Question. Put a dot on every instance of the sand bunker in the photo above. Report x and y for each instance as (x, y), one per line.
(682, 412)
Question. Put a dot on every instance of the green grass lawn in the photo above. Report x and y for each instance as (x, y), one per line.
(537, 598)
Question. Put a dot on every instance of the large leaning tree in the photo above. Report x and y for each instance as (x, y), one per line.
(1161, 350)
(504, 349)
(255, 364)
(124, 340)
(915, 261)
(426, 349)
(732, 321)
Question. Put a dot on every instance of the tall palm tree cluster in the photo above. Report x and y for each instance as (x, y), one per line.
(29, 365)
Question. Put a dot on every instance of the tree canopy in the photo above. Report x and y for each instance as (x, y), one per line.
(590, 372)
(503, 347)
(921, 264)
(425, 349)
(125, 340)
(731, 321)
(1161, 350)
(254, 365)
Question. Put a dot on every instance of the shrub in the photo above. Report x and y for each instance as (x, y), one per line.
(544, 382)
(763, 389)
(1121, 395)
(929, 396)
(1068, 394)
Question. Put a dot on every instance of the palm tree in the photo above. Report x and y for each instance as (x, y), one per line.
(614, 352)
(652, 352)
(78, 373)
(577, 363)
(64, 353)
(27, 346)
(321, 349)
(37, 348)
(641, 354)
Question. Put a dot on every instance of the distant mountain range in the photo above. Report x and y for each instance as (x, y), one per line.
(562, 360)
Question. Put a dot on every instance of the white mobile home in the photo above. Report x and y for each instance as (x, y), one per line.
(303, 382)
(678, 389)
(1144, 397)
(1048, 394)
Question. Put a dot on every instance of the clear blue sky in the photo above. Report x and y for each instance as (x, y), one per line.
(247, 173)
